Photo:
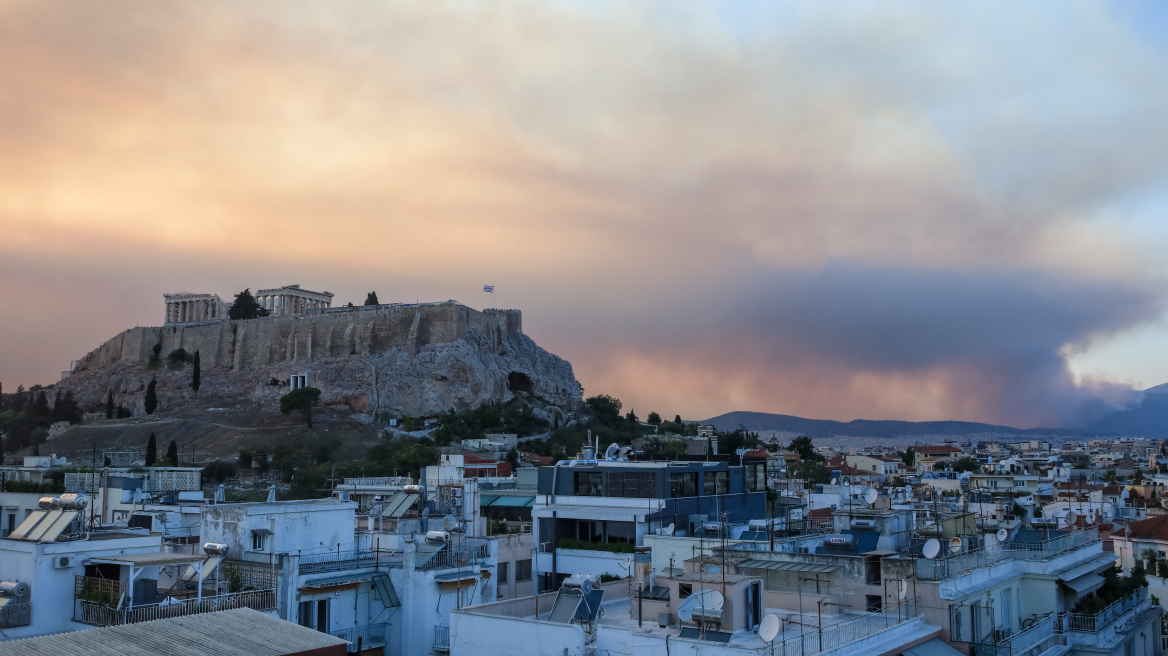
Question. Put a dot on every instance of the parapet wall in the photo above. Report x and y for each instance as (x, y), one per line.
(257, 343)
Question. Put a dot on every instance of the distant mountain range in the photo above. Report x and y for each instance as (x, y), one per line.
(1149, 419)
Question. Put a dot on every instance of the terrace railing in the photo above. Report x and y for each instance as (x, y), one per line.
(369, 636)
(814, 641)
(1046, 548)
(1097, 622)
(350, 559)
(14, 615)
(442, 639)
(463, 555)
(105, 615)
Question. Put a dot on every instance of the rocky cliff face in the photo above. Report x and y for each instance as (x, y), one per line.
(407, 360)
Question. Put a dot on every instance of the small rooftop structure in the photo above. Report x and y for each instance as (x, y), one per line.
(223, 633)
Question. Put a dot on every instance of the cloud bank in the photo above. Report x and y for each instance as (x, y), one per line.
(840, 211)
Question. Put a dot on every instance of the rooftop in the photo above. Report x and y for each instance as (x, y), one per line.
(224, 633)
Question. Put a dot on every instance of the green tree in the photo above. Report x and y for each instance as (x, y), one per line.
(196, 376)
(246, 307)
(803, 446)
(653, 418)
(245, 457)
(604, 406)
(907, 457)
(677, 419)
(301, 400)
(811, 471)
(172, 453)
(109, 405)
(40, 407)
(151, 450)
(371, 299)
(631, 416)
(513, 458)
(966, 464)
(151, 402)
(675, 448)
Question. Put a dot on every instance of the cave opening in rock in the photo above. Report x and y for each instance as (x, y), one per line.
(518, 382)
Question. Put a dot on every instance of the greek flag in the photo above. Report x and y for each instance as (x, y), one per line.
(489, 288)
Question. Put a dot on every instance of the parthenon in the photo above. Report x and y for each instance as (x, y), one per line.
(290, 299)
(192, 308)
(287, 300)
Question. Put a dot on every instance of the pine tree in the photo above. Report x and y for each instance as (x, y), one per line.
(151, 451)
(109, 405)
(40, 407)
(677, 419)
(246, 307)
(151, 398)
(196, 376)
(371, 299)
(172, 453)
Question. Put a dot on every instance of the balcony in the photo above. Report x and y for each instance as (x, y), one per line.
(100, 614)
(368, 636)
(465, 555)
(14, 615)
(1065, 628)
(442, 639)
(848, 631)
(943, 568)
(344, 560)
(1099, 621)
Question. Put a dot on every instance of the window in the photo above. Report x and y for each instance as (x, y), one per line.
(632, 485)
(523, 570)
(755, 477)
(322, 623)
(872, 570)
(305, 614)
(684, 590)
(503, 575)
(257, 541)
(873, 602)
(588, 484)
(683, 485)
(716, 483)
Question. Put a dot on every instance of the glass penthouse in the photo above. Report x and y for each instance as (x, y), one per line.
(590, 514)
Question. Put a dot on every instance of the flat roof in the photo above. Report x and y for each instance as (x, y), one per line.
(224, 633)
(151, 559)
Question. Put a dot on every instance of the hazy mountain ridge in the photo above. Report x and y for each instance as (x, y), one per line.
(1149, 419)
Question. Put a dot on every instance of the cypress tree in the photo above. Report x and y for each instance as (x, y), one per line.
(151, 451)
(17, 404)
(172, 453)
(40, 407)
(371, 299)
(151, 398)
(1, 407)
(196, 376)
(109, 405)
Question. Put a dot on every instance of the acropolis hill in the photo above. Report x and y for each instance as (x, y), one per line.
(413, 360)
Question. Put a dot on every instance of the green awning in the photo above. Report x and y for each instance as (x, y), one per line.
(513, 502)
(486, 499)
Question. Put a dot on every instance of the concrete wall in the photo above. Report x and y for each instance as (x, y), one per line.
(296, 526)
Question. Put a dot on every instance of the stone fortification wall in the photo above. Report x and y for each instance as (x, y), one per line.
(413, 360)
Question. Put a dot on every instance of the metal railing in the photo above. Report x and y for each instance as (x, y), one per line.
(490, 488)
(1018, 643)
(377, 480)
(1047, 548)
(105, 615)
(370, 636)
(14, 615)
(246, 574)
(1092, 623)
(442, 638)
(343, 560)
(814, 641)
(462, 556)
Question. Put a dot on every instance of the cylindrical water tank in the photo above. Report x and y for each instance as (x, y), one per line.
(15, 589)
(49, 503)
(216, 549)
(74, 501)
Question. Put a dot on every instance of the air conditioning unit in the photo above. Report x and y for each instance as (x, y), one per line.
(62, 562)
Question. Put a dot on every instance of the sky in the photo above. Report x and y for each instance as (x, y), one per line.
(910, 210)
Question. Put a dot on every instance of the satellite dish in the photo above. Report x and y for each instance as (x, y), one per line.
(668, 530)
(955, 545)
(1072, 517)
(931, 549)
(611, 451)
(902, 589)
(870, 496)
(1002, 534)
(835, 481)
(709, 599)
(449, 523)
(769, 628)
(961, 501)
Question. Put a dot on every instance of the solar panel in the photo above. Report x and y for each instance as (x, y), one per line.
(58, 526)
(42, 528)
(28, 524)
(385, 588)
(564, 610)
